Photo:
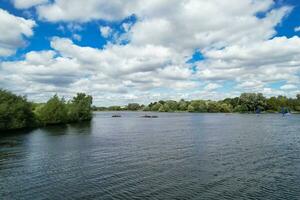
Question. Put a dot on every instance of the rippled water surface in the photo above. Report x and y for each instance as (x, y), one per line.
(175, 156)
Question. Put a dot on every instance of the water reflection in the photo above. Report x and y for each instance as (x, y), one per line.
(20, 144)
(69, 129)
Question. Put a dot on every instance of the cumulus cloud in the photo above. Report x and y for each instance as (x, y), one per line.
(288, 87)
(24, 4)
(254, 65)
(237, 46)
(69, 68)
(163, 22)
(13, 30)
(78, 10)
(212, 86)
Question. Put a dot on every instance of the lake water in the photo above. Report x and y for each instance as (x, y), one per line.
(175, 156)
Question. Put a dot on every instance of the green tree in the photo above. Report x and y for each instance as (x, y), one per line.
(182, 105)
(156, 107)
(213, 107)
(53, 112)
(133, 106)
(241, 109)
(171, 106)
(225, 108)
(114, 108)
(147, 108)
(80, 108)
(165, 108)
(272, 104)
(202, 107)
(15, 111)
(195, 105)
(252, 101)
(191, 108)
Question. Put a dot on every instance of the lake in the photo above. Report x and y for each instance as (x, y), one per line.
(175, 156)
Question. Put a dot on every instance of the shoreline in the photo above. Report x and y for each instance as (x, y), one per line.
(141, 111)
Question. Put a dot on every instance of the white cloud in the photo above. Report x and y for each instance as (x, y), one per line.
(297, 29)
(105, 31)
(212, 86)
(24, 4)
(202, 24)
(76, 36)
(70, 68)
(254, 65)
(237, 47)
(78, 10)
(115, 59)
(288, 87)
(193, 24)
(127, 26)
(13, 30)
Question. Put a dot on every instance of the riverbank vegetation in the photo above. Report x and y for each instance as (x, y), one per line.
(245, 103)
(16, 112)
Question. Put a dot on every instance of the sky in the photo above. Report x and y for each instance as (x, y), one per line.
(124, 51)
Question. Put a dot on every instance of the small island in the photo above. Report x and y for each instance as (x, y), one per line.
(16, 112)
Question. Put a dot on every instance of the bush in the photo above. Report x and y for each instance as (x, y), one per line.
(80, 108)
(53, 112)
(15, 112)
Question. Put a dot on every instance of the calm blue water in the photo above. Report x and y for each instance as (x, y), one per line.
(176, 156)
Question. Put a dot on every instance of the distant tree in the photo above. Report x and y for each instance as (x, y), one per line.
(53, 112)
(241, 109)
(252, 101)
(15, 111)
(225, 108)
(213, 107)
(171, 106)
(232, 101)
(156, 107)
(182, 105)
(195, 105)
(80, 107)
(272, 104)
(114, 108)
(282, 102)
(133, 106)
(165, 108)
(161, 102)
(191, 108)
(147, 108)
(297, 103)
(202, 107)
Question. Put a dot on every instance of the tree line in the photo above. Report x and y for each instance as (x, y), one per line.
(16, 112)
(245, 103)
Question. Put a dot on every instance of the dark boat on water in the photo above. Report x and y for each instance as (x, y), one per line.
(149, 116)
(116, 116)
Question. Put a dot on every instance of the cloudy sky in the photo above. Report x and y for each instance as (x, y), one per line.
(124, 51)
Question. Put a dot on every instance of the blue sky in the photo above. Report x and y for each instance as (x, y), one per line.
(138, 51)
